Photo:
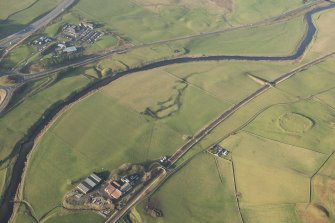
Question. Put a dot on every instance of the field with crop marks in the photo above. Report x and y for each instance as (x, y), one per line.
(281, 163)
(317, 137)
(278, 153)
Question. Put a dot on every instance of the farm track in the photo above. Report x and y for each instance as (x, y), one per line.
(203, 133)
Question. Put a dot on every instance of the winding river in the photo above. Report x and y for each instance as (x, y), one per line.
(23, 148)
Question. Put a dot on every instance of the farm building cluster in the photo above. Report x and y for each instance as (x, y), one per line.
(70, 39)
(117, 188)
(103, 195)
(46, 45)
(219, 151)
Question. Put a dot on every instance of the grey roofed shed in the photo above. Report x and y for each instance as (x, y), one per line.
(89, 183)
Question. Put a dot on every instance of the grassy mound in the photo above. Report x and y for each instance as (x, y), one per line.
(295, 123)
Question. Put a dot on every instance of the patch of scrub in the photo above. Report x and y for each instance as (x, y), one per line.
(295, 123)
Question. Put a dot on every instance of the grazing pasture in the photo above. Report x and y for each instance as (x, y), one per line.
(317, 137)
(117, 128)
(201, 191)
(278, 39)
(7, 8)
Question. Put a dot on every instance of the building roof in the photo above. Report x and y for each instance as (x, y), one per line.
(60, 45)
(88, 24)
(116, 184)
(89, 183)
(126, 187)
(113, 192)
(70, 49)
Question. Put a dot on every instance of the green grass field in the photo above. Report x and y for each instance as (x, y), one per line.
(328, 98)
(82, 217)
(201, 192)
(29, 111)
(17, 122)
(133, 21)
(8, 8)
(22, 53)
(22, 215)
(136, 137)
(318, 138)
(260, 184)
(274, 153)
(274, 214)
(314, 81)
(145, 21)
(255, 10)
(322, 195)
(272, 40)
(24, 15)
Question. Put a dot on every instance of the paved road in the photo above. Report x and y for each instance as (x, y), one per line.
(138, 197)
(9, 94)
(13, 40)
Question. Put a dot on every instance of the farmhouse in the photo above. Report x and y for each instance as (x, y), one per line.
(219, 151)
(89, 183)
(112, 191)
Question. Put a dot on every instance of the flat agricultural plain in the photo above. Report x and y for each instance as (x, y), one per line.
(114, 122)
(280, 166)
